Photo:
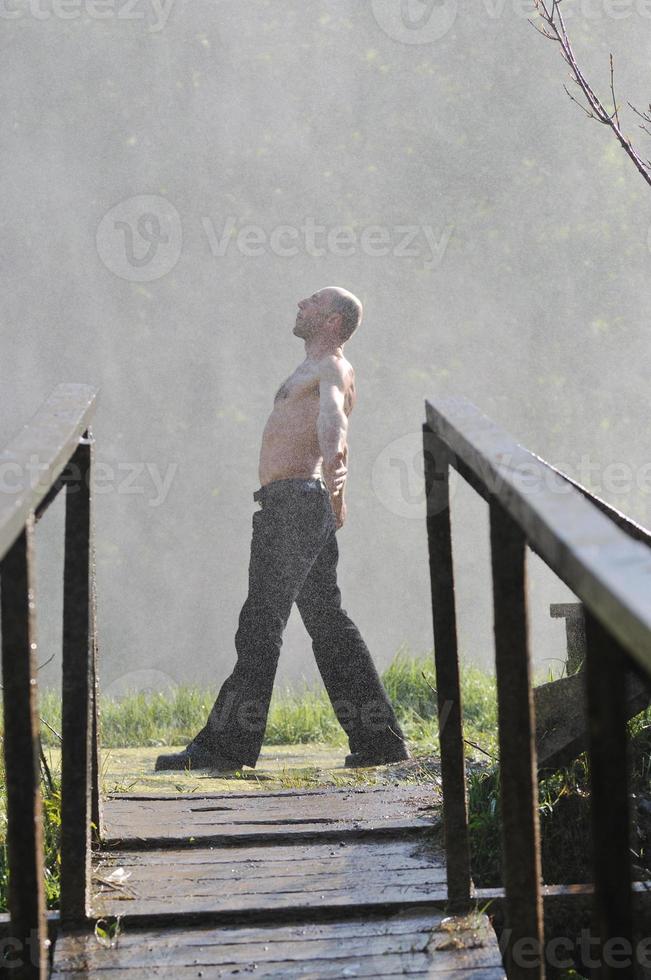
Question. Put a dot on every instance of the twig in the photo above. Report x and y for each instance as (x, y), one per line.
(47, 775)
(466, 740)
(612, 89)
(555, 30)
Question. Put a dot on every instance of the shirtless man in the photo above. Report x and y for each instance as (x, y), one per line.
(294, 552)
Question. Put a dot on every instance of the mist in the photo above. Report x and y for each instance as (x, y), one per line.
(178, 175)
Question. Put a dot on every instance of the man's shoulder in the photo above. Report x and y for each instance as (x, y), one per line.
(336, 369)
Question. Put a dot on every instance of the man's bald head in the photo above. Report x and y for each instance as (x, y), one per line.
(349, 307)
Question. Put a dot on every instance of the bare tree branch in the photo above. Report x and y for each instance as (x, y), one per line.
(554, 28)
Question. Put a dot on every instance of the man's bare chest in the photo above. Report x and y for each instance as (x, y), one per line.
(299, 385)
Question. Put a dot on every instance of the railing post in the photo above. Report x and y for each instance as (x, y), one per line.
(453, 770)
(21, 751)
(518, 769)
(606, 670)
(96, 796)
(76, 756)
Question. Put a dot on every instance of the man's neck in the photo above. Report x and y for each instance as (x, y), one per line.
(316, 349)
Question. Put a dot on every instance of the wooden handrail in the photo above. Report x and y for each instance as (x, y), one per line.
(608, 571)
(53, 451)
(34, 460)
(605, 560)
(634, 530)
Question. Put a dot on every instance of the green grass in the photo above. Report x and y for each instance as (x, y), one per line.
(51, 841)
(297, 715)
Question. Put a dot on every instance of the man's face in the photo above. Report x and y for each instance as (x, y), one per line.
(312, 314)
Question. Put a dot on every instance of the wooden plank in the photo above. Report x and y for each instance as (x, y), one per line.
(407, 944)
(21, 753)
(448, 687)
(76, 759)
(386, 853)
(405, 789)
(602, 565)
(326, 810)
(37, 456)
(245, 879)
(259, 816)
(518, 770)
(389, 965)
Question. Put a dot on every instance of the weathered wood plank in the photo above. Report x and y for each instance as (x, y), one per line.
(322, 879)
(391, 853)
(406, 944)
(408, 964)
(258, 816)
(329, 791)
(602, 565)
(368, 795)
(39, 454)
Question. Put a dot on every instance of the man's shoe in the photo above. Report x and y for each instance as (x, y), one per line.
(196, 758)
(359, 760)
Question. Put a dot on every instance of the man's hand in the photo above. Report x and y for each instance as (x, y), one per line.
(335, 474)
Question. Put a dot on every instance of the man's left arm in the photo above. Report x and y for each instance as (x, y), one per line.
(332, 430)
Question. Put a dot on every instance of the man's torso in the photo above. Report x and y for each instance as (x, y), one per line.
(290, 443)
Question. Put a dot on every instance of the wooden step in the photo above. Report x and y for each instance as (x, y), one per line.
(225, 883)
(406, 944)
(194, 820)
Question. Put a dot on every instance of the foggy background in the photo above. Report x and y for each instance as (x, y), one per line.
(140, 141)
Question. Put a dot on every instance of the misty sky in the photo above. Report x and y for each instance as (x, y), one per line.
(178, 174)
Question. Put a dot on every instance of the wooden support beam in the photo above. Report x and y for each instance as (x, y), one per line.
(22, 764)
(453, 770)
(518, 769)
(77, 686)
(606, 670)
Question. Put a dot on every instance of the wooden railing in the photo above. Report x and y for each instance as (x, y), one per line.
(611, 574)
(54, 451)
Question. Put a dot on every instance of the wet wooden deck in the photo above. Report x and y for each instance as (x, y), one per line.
(312, 883)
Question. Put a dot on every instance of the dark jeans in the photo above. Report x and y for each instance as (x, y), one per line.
(294, 559)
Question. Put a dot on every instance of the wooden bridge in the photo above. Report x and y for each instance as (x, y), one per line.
(320, 883)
